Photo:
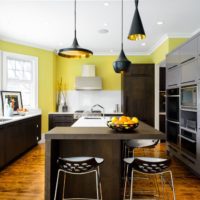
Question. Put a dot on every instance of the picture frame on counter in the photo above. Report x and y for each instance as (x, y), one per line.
(12, 99)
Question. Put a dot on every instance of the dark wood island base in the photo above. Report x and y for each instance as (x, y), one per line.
(97, 142)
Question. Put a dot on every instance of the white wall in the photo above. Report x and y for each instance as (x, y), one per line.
(84, 100)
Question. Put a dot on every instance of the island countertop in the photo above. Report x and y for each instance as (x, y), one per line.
(143, 131)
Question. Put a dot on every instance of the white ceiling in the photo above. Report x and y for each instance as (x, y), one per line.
(49, 24)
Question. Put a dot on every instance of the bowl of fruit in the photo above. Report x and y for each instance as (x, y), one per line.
(22, 111)
(123, 123)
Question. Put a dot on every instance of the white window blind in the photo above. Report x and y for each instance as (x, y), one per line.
(20, 73)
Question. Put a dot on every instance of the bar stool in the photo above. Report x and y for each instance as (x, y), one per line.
(130, 145)
(149, 166)
(80, 166)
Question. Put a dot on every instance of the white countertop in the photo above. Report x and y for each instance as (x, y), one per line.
(71, 113)
(98, 122)
(15, 118)
(61, 113)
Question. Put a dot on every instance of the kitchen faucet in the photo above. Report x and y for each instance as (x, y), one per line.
(97, 105)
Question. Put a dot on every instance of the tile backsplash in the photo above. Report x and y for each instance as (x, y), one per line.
(84, 100)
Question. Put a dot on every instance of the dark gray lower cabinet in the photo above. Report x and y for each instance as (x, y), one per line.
(17, 137)
(60, 120)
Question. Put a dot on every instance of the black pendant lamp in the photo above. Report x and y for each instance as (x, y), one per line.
(75, 51)
(122, 63)
(137, 30)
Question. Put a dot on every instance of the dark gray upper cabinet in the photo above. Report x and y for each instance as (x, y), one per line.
(188, 51)
(189, 72)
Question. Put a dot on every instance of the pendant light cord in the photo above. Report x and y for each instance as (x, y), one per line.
(136, 3)
(75, 18)
(122, 21)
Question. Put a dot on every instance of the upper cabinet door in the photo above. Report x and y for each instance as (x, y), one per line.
(188, 51)
(198, 45)
(173, 58)
(189, 72)
(173, 77)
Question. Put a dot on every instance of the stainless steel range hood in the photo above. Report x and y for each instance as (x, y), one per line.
(88, 80)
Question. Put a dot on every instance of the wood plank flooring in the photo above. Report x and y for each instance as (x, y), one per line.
(24, 179)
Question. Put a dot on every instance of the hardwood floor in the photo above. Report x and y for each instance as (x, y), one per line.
(24, 179)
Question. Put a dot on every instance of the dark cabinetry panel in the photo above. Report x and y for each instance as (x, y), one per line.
(17, 137)
(138, 92)
(60, 120)
(2, 147)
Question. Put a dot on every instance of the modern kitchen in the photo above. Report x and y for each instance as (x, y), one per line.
(99, 99)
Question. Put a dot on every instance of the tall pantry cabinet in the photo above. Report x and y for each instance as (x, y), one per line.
(183, 103)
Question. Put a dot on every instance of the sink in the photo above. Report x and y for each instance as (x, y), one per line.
(92, 118)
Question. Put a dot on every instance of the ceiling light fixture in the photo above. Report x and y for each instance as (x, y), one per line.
(122, 63)
(136, 31)
(160, 23)
(143, 44)
(106, 4)
(75, 51)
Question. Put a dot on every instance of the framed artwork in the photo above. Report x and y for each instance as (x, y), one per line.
(13, 98)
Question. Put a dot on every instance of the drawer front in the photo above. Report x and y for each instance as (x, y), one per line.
(63, 118)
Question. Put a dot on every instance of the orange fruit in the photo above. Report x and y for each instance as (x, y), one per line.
(135, 120)
(123, 119)
(114, 119)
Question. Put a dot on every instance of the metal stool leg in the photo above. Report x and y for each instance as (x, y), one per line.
(63, 192)
(163, 186)
(125, 183)
(58, 175)
(131, 192)
(100, 186)
(172, 182)
(97, 184)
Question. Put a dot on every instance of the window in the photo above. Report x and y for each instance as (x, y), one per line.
(20, 73)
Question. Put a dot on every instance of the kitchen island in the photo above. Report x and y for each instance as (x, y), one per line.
(90, 141)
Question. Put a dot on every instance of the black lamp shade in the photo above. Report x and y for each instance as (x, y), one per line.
(75, 51)
(122, 63)
(136, 31)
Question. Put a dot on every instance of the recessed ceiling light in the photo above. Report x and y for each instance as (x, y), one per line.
(105, 24)
(143, 44)
(160, 22)
(103, 31)
(106, 4)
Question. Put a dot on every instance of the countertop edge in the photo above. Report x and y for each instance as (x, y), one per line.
(18, 118)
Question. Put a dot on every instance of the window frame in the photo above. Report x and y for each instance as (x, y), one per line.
(4, 70)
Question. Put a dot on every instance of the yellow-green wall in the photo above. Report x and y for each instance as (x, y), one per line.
(160, 53)
(69, 69)
(52, 67)
(46, 76)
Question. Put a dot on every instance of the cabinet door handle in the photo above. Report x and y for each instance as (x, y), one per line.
(189, 81)
(188, 60)
(172, 67)
(173, 85)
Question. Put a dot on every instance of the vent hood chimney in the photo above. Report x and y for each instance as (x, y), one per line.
(88, 80)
